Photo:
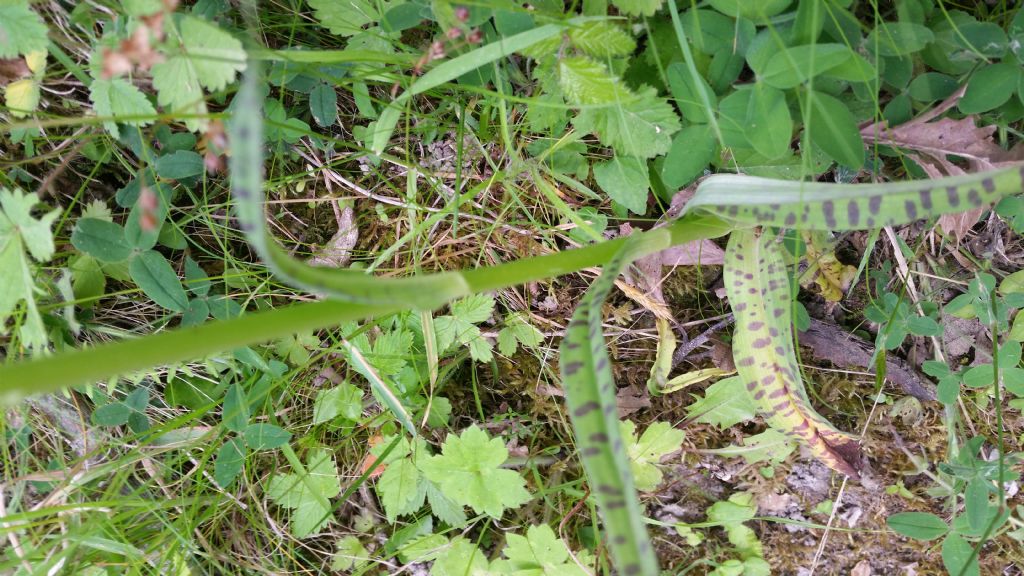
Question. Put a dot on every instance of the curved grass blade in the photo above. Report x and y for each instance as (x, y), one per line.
(590, 397)
(757, 284)
(360, 365)
(751, 201)
(451, 70)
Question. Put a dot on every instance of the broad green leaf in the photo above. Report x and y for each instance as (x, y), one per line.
(990, 87)
(154, 275)
(323, 104)
(625, 180)
(736, 510)
(769, 124)
(832, 128)
(142, 229)
(603, 39)
(117, 98)
(230, 459)
(931, 86)
(518, 330)
(442, 506)
(659, 440)
(468, 471)
(757, 11)
(638, 7)
(21, 30)
(179, 165)
(344, 400)
(693, 148)
(103, 240)
(917, 525)
(641, 126)
(725, 403)
(688, 96)
(112, 414)
(197, 280)
(235, 412)
(976, 503)
(307, 495)
(955, 555)
(898, 38)
(23, 235)
(263, 436)
(793, 66)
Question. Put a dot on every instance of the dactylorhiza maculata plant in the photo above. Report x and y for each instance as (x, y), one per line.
(752, 210)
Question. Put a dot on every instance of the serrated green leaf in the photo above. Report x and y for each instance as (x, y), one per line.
(216, 56)
(307, 494)
(348, 17)
(441, 506)
(179, 91)
(724, 404)
(641, 127)
(625, 180)
(659, 440)
(350, 554)
(21, 30)
(468, 471)
(602, 39)
(539, 553)
(117, 98)
(401, 489)
(473, 309)
(585, 82)
(638, 7)
(154, 275)
(21, 235)
(460, 558)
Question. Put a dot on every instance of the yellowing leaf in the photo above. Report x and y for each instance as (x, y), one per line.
(22, 97)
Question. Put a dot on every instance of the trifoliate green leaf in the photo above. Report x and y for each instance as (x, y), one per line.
(659, 440)
(473, 309)
(468, 471)
(21, 30)
(603, 39)
(295, 348)
(517, 331)
(638, 7)
(116, 98)
(626, 181)
(539, 553)
(344, 400)
(307, 495)
(22, 235)
(641, 126)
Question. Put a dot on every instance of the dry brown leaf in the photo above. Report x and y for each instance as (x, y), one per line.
(337, 252)
(12, 69)
(632, 398)
(863, 568)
